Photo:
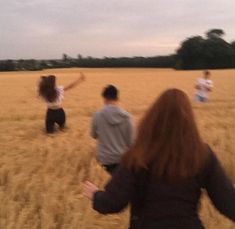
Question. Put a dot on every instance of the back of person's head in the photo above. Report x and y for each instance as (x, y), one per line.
(207, 73)
(168, 140)
(51, 81)
(110, 92)
(47, 88)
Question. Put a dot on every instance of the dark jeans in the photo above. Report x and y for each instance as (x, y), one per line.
(110, 168)
(54, 116)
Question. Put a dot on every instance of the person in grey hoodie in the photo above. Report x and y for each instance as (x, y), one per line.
(113, 129)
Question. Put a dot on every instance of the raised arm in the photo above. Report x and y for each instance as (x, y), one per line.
(220, 188)
(79, 80)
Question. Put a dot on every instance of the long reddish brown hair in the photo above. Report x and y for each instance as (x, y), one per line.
(47, 88)
(168, 140)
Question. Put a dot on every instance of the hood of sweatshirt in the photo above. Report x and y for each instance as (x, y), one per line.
(114, 115)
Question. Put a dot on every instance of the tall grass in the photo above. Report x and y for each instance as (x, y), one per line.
(41, 175)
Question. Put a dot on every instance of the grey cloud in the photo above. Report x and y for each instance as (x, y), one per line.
(47, 28)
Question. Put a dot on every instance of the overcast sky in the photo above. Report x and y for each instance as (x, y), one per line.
(48, 28)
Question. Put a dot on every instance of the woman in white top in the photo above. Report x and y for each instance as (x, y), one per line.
(53, 96)
(203, 86)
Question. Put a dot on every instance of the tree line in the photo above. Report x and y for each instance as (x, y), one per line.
(196, 52)
(209, 52)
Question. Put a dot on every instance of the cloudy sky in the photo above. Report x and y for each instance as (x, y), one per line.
(48, 28)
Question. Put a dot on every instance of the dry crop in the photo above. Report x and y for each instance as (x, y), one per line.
(41, 175)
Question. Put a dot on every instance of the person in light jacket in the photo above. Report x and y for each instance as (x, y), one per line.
(112, 128)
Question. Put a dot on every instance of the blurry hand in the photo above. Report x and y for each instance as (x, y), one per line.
(89, 190)
(82, 76)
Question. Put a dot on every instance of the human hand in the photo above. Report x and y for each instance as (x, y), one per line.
(89, 190)
(82, 76)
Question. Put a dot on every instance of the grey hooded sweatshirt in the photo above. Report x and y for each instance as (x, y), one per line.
(113, 129)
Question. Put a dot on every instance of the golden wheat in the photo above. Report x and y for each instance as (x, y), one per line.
(41, 175)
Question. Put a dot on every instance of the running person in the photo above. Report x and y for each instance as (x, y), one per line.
(112, 128)
(203, 86)
(163, 173)
(53, 96)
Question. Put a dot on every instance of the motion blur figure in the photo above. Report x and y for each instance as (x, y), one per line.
(53, 96)
(164, 172)
(112, 127)
(203, 86)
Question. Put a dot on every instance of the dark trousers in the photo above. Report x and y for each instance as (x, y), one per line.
(110, 168)
(54, 116)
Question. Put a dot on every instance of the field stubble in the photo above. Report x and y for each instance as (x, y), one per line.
(41, 176)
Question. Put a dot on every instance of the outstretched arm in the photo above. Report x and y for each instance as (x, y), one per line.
(209, 86)
(76, 82)
(116, 195)
(220, 188)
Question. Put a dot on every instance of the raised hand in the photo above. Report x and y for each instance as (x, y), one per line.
(82, 76)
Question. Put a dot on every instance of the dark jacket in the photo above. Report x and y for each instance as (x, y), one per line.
(163, 205)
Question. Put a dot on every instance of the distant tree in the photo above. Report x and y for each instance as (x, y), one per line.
(43, 64)
(191, 53)
(233, 44)
(30, 64)
(195, 52)
(218, 53)
(64, 57)
(215, 33)
(67, 61)
(80, 57)
(79, 62)
(212, 52)
(233, 51)
(7, 65)
(20, 65)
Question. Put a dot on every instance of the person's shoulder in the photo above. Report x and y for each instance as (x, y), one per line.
(208, 163)
(60, 89)
(128, 172)
(199, 80)
(209, 81)
(104, 111)
(97, 113)
(211, 159)
(101, 110)
(124, 112)
(127, 117)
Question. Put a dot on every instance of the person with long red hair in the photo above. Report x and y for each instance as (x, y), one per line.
(163, 173)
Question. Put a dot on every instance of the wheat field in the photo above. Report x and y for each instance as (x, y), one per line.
(41, 175)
